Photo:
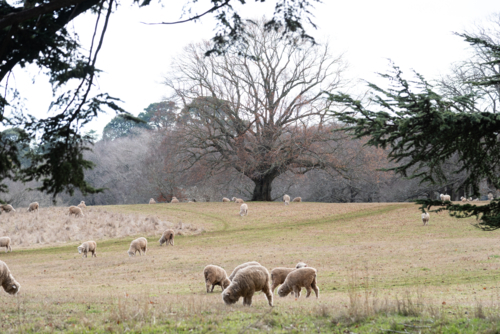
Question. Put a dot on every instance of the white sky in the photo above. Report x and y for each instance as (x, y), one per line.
(414, 34)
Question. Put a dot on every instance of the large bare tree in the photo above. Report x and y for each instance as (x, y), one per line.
(259, 108)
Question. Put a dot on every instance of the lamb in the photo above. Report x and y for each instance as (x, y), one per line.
(238, 200)
(5, 242)
(9, 284)
(167, 237)
(215, 275)
(82, 205)
(152, 201)
(490, 197)
(286, 199)
(225, 200)
(246, 282)
(297, 279)
(243, 209)
(463, 199)
(425, 218)
(7, 208)
(33, 207)
(138, 245)
(174, 200)
(241, 266)
(445, 198)
(278, 275)
(297, 199)
(88, 246)
(74, 210)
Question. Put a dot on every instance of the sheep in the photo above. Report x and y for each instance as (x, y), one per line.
(33, 207)
(490, 197)
(82, 205)
(297, 199)
(445, 198)
(138, 245)
(241, 266)
(300, 265)
(6, 208)
(167, 237)
(463, 199)
(215, 275)
(297, 279)
(174, 200)
(475, 200)
(5, 242)
(286, 199)
(246, 282)
(9, 284)
(470, 199)
(243, 209)
(74, 210)
(152, 201)
(225, 200)
(278, 275)
(88, 246)
(238, 200)
(425, 218)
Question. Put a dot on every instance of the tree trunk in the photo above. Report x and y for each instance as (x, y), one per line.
(262, 190)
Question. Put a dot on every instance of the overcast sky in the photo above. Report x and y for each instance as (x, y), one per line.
(414, 34)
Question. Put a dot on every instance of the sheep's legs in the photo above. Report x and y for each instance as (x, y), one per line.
(208, 287)
(308, 288)
(247, 300)
(269, 295)
(274, 287)
(315, 288)
(296, 291)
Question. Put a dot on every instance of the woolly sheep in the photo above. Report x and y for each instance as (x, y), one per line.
(215, 275)
(33, 207)
(9, 284)
(243, 209)
(238, 200)
(138, 245)
(246, 282)
(298, 279)
(297, 199)
(286, 199)
(445, 198)
(174, 200)
(82, 205)
(425, 218)
(490, 197)
(167, 237)
(86, 247)
(5, 242)
(74, 210)
(225, 200)
(241, 266)
(152, 201)
(278, 275)
(463, 199)
(7, 208)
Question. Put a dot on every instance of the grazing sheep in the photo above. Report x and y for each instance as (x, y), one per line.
(5, 242)
(246, 282)
(167, 237)
(152, 201)
(225, 200)
(33, 207)
(88, 246)
(425, 218)
(138, 245)
(298, 279)
(174, 200)
(243, 209)
(215, 275)
(278, 276)
(463, 199)
(9, 284)
(6, 208)
(300, 265)
(241, 266)
(238, 200)
(490, 197)
(297, 199)
(286, 199)
(74, 210)
(445, 198)
(82, 205)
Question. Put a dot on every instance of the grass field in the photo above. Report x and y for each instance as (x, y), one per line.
(379, 270)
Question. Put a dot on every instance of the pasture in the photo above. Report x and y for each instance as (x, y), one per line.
(379, 269)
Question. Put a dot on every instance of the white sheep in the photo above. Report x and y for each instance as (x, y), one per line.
(225, 200)
(445, 198)
(33, 207)
(490, 197)
(425, 218)
(138, 245)
(215, 275)
(152, 201)
(86, 247)
(297, 199)
(463, 199)
(298, 279)
(238, 200)
(300, 265)
(5, 242)
(243, 209)
(74, 210)
(174, 200)
(241, 266)
(82, 205)
(167, 237)
(7, 281)
(246, 282)
(475, 200)
(6, 208)
(286, 199)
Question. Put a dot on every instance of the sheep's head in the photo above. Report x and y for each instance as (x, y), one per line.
(300, 265)
(283, 291)
(80, 249)
(12, 286)
(130, 253)
(225, 283)
(162, 240)
(229, 296)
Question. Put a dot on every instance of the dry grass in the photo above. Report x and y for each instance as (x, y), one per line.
(371, 259)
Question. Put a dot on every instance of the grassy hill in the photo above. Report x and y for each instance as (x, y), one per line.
(379, 269)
